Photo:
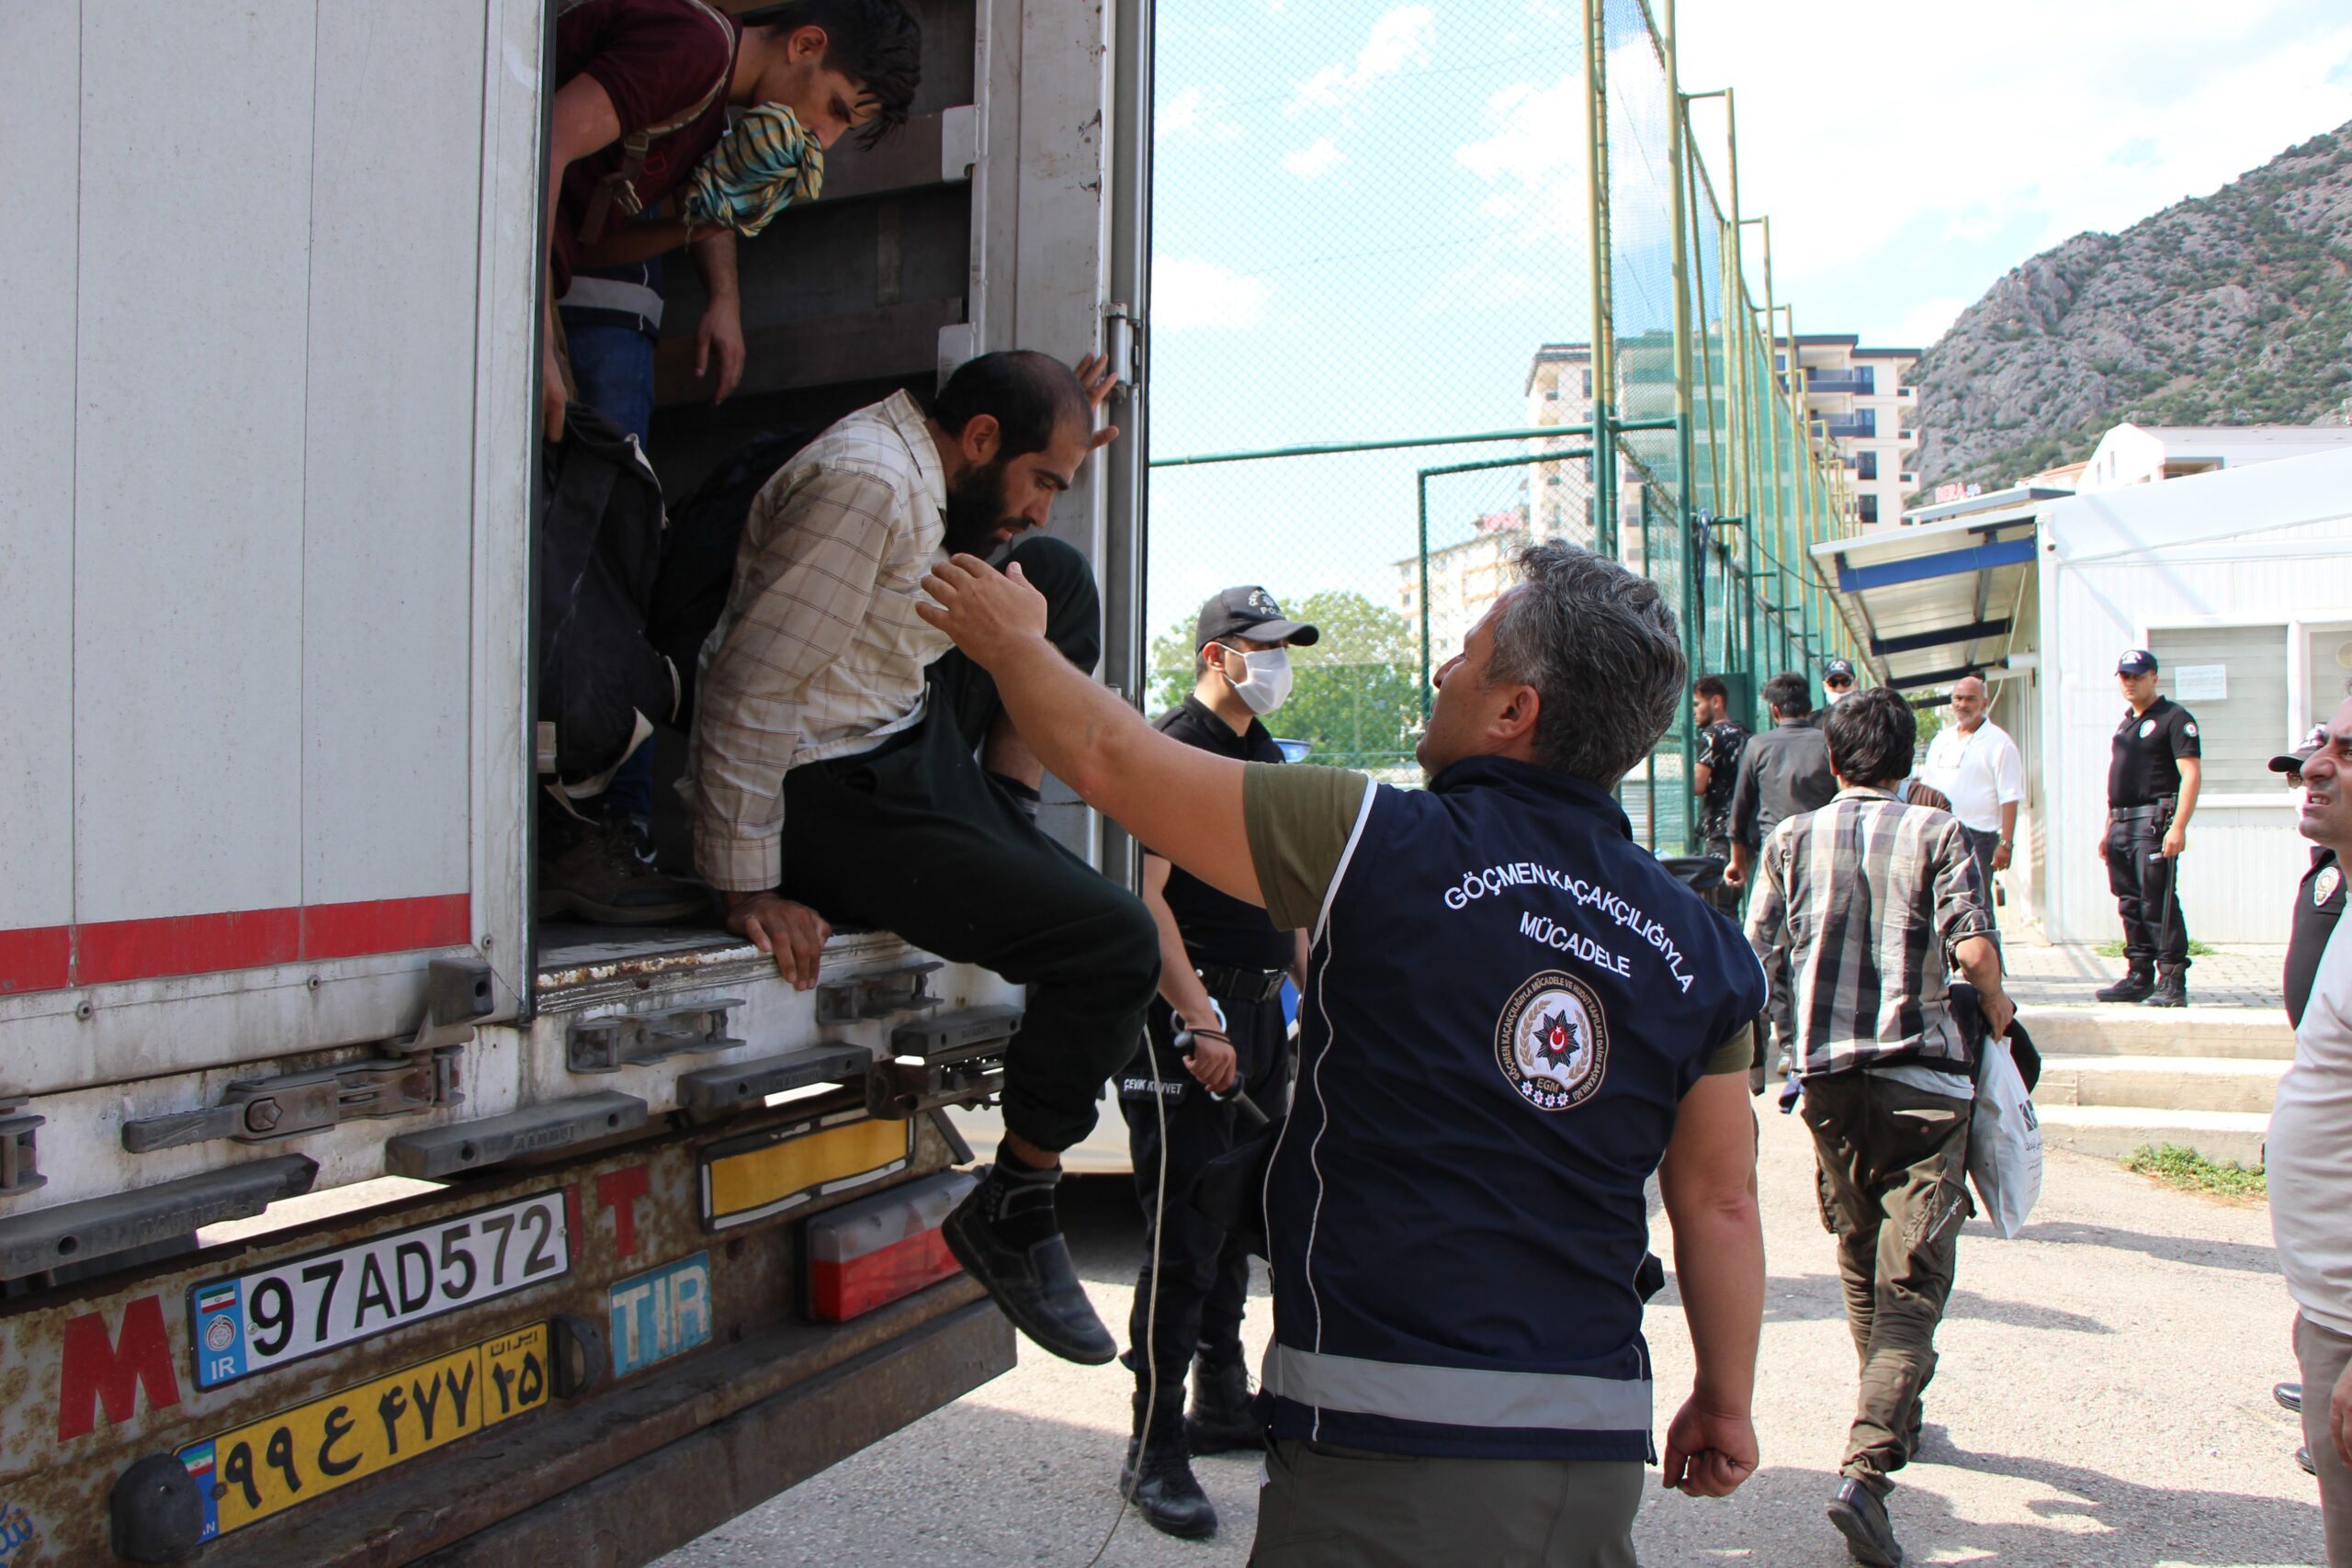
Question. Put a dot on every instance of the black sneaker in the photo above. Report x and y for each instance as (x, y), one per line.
(1004, 1235)
(2290, 1395)
(1859, 1514)
(1223, 1418)
(2171, 989)
(1162, 1486)
(589, 870)
(2133, 987)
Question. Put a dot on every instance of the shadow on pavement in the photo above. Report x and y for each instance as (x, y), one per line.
(1815, 1298)
(1778, 1518)
(2244, 1257)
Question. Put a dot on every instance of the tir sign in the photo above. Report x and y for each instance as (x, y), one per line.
(660, 1313)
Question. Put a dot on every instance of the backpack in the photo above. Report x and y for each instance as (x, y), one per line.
(599, 529)
(699, 552)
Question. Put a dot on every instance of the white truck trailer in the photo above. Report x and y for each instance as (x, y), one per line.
(348, 1214)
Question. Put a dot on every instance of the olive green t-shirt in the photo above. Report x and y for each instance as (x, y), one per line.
(1302, 821)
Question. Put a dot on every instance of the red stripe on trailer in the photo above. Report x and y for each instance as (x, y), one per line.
(386, 925)
(49, 958)
(38, 959)
(185, 945)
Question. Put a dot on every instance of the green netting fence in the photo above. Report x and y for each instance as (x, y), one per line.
(1380, 363)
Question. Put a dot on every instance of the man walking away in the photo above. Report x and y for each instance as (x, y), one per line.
(1975, 765)
(1720, 743)
(1222, 964)
(848, 764)
(1783, 772)
(1886, 1065)
(2309, 1160)
(1491, 1065)
(2153, 772)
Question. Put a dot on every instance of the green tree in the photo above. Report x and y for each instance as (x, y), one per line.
(1356, 695)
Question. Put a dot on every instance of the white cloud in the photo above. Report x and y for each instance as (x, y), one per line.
(1197, 113)
(1398, 38)
(1923, 323)
(1315, 159)
(1187, 291)
(2012, 122)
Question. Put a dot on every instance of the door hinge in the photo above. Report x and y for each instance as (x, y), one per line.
(1123, 344)
(287, 1105)
(19, 1163)
(953, 1058)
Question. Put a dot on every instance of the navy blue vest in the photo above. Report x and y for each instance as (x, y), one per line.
(1506, 1000)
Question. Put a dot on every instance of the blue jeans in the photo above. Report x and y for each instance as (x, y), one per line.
(613, 366)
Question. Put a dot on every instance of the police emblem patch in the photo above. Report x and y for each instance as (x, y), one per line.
(2189, 729)
(2325, 885)
(2147, 727)
(1552, 1041)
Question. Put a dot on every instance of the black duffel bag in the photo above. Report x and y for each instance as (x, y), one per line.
(600, 548)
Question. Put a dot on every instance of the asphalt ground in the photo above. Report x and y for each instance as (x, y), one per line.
(2103, 1402)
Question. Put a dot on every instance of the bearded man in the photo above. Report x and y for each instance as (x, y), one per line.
(849, 764)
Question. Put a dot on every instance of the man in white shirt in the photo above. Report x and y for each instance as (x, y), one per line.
(2310, 1165)
(1976, 765)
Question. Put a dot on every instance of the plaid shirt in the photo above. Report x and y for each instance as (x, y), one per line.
(1857, 911)
(820, 653)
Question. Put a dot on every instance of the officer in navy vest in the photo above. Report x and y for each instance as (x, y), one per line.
(1514, 1016)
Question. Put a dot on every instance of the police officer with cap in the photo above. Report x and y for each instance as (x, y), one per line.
(1837, 686)
(1218, 1028)
(1514, 1014)
(2151, 781)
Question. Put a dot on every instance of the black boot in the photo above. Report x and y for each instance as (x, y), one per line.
(1005, 1235)
(1161, 1481)
(2132, 988)
(590, 869)
(1223, 1419)
(1859, 1514)
(2171, 988)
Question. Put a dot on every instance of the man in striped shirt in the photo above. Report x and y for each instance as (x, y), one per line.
(1861, 910)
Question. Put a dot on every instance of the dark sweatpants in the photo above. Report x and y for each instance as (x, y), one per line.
(1203, 1282)
(913, 838)
(2147, 895)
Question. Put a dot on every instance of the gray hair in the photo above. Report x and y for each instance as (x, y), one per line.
(1601, 651)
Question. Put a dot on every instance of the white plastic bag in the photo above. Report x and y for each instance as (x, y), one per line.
(2003, 1142)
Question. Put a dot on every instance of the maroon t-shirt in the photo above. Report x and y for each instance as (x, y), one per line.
(656, 59)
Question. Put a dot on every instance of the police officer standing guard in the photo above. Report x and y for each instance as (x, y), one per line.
(2151, 779)
(1222, 964)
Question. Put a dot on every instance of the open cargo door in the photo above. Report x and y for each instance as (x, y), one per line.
(266, 359)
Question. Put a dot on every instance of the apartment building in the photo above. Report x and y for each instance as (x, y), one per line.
(1862, 402)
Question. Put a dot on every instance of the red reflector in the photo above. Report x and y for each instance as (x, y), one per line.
(870, 1253)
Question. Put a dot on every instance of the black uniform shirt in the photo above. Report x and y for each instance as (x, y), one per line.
(1220, 929)
(1719, 748)
(2317, 904)
(2148, 749)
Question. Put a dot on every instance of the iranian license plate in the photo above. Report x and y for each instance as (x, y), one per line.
(249, 1322)
(268, 1466)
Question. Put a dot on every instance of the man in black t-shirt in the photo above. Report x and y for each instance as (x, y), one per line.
(2153, 776)
(1720, 744)
(1222, 964)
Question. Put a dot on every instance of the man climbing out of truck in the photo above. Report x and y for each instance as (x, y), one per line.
(848, 764)
(641, 114)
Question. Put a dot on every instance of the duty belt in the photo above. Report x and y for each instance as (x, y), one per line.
(2134, 813)
(1242, 984)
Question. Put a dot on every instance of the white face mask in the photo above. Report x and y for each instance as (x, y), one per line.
(1265, 681)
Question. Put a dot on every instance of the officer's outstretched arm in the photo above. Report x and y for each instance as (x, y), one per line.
(1184, 802)
(1709, 1182)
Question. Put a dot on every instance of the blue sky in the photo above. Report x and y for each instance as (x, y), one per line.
(1368, 214)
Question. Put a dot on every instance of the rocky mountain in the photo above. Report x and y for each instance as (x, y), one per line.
(2230, 308)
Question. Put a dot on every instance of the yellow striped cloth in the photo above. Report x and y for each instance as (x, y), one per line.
(761, 166)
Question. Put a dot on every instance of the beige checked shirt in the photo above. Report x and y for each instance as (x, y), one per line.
(820, 653)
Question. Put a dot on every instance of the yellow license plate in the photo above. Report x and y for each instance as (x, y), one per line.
(778, 1168)
(273, 1464)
